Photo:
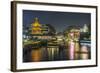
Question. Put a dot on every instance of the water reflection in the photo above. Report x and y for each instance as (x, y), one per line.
(84, 52)
(36, 55)
(74, 51)
(71, 50)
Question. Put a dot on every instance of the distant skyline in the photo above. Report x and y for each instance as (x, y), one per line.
(59, 20)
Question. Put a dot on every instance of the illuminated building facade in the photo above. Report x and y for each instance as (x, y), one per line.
(72, 39)
(85, 28)
(39, 31)
(36, 27)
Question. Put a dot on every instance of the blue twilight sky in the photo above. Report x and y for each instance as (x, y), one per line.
(59, 20)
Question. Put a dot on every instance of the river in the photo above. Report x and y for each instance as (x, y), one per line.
(74, 51)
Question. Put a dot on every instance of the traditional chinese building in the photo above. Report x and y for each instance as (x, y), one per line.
(39, 31)
(36, 27)
(72, 41)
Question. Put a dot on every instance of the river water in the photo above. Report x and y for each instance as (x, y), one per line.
(75, 51)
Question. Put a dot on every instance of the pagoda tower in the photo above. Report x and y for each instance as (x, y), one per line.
(36, 27)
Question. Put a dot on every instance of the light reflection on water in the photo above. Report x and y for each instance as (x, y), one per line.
(36, 55)
(75, 51)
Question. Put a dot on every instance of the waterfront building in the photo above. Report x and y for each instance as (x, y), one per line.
(84, 28)
(72, 36)
(36, 27)
(40, 31)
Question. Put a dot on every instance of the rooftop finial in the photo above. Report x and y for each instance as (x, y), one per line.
(36, 19)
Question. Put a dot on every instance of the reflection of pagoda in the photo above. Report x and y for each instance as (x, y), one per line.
(36, 27)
